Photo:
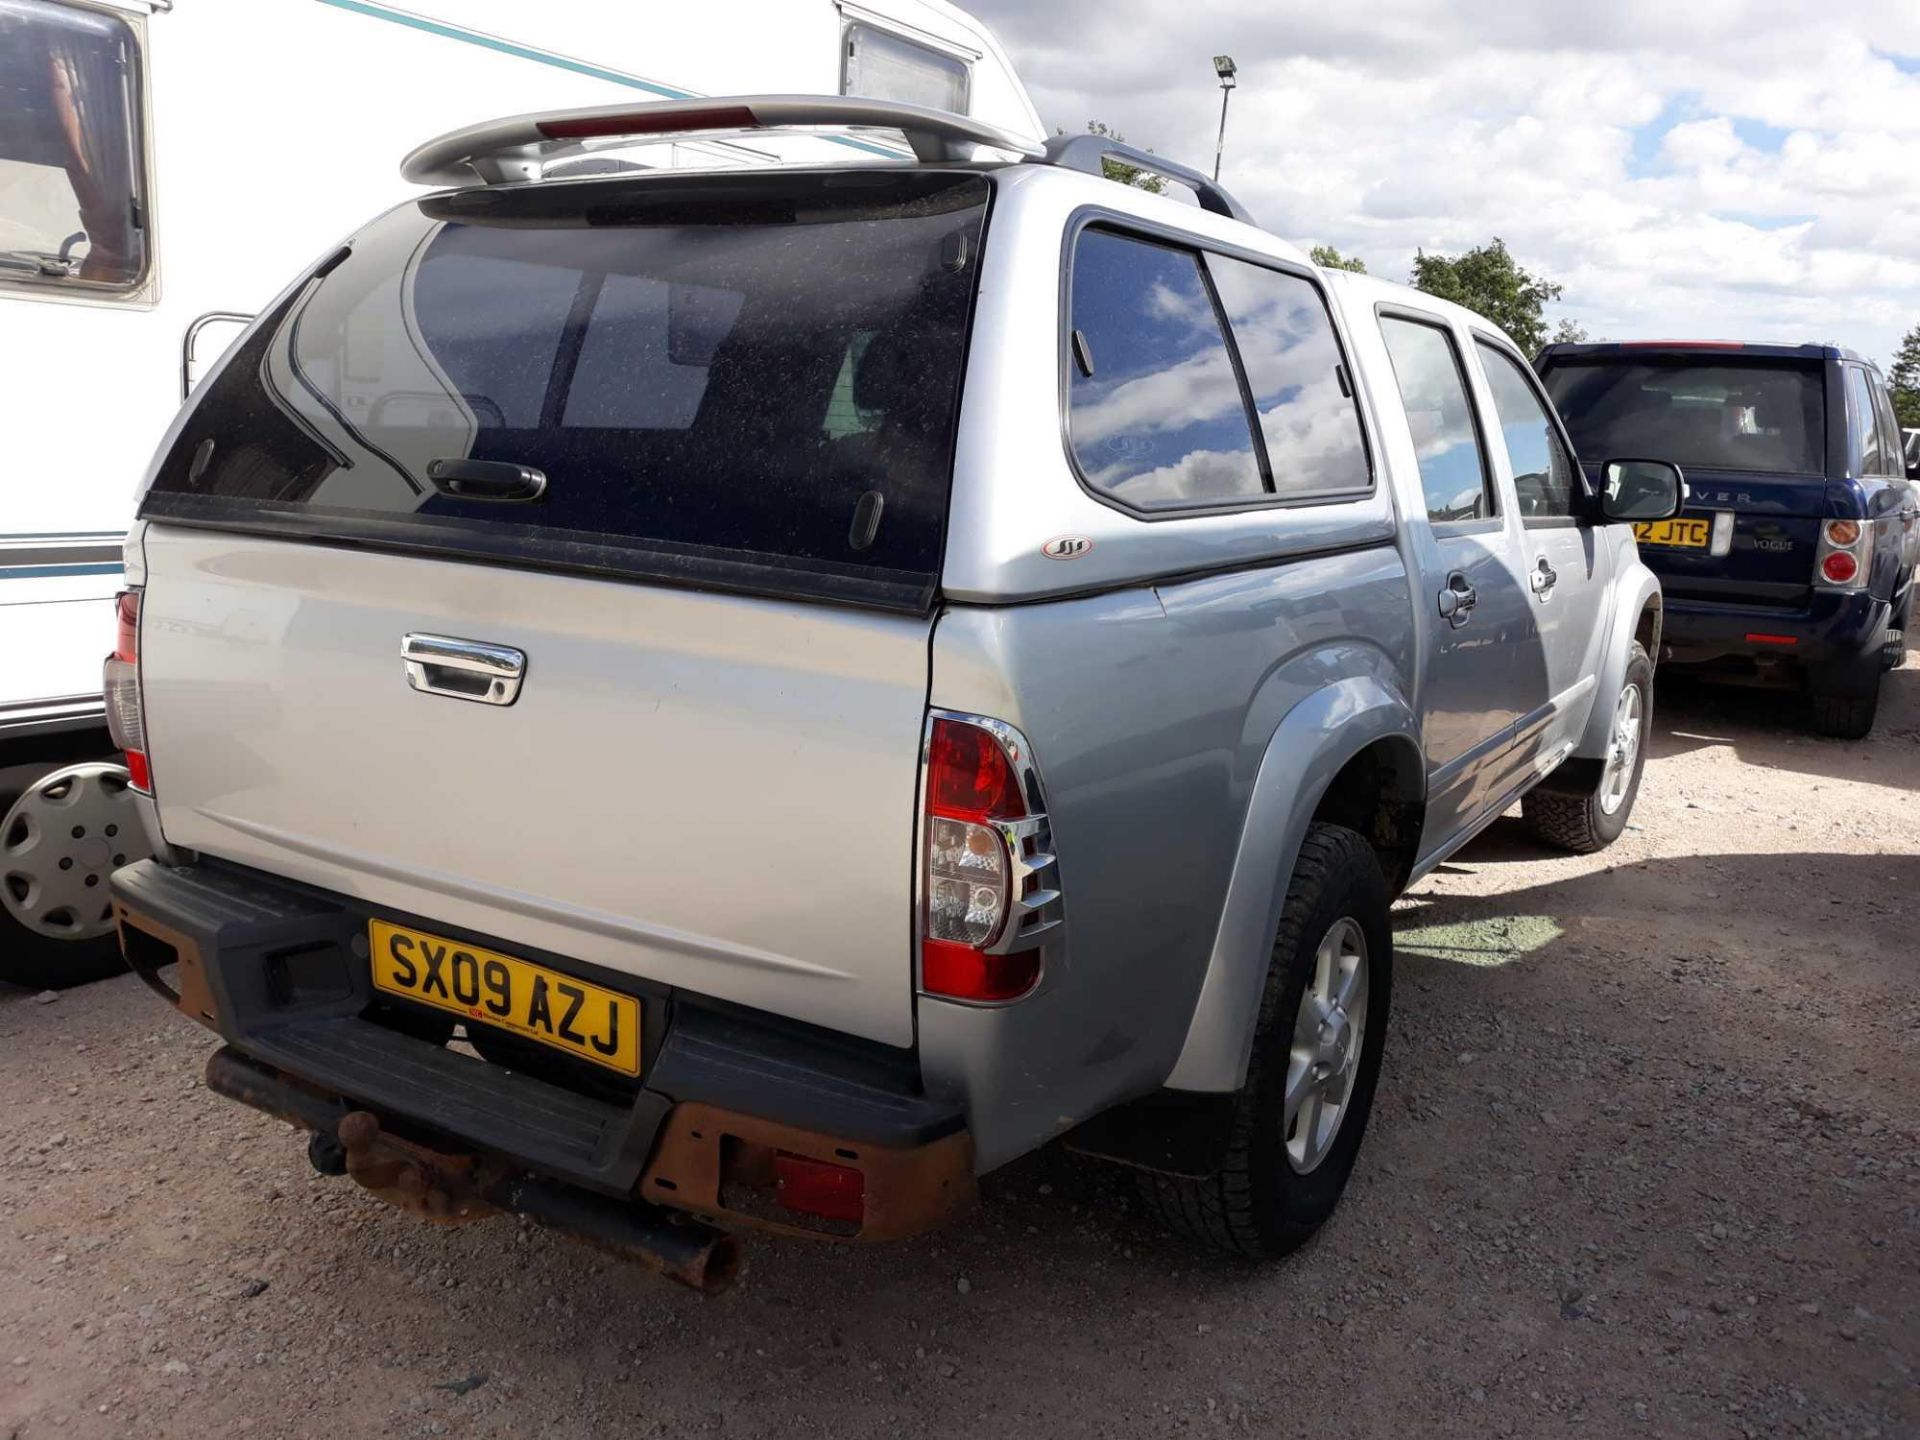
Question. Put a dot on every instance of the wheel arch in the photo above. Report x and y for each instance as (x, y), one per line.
(1637, 614)
(1348, 753)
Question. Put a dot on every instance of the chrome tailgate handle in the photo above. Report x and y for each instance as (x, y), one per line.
(463, 669)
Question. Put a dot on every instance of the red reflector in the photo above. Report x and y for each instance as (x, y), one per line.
(815, 1187)
(1839, 567)
(1755, 637)
(968, 775)
(588, 127)
(138, 772)
(964, 973)
(126, 637)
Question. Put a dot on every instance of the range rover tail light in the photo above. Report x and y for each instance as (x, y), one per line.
(1840, 563)
(120, 680)
(988, 891)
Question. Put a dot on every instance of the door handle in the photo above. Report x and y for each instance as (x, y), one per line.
(487, 479)
(1458, 599)
(1543, 578)
(463, 669)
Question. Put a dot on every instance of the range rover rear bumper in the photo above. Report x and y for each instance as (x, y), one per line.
(280, 971)
(1832, 628)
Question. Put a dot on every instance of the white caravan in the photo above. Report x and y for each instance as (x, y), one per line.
(164, 166)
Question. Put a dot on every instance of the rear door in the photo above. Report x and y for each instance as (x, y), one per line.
(1567, 571)
(675, 453)
(1482, 669)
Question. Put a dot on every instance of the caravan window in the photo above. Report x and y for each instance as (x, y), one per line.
(73, 203)
(883, 66)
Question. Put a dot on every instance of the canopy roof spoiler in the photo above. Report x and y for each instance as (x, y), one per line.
(515, 149)
(518, 148)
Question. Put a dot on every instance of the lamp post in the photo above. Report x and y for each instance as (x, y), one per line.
(1224, 67)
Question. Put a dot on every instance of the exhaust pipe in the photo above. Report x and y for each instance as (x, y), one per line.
(452, 1188)
(687, 1250)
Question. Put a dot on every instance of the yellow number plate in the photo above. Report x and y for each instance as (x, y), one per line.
(1682, 534)
(571, 1015)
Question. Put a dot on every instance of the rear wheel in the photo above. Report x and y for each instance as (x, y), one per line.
(1589, 812)
(59, 841)
(1299, 1118)
(1846, 696)
(1846, 717)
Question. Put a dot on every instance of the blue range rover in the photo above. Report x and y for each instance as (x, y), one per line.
(1793, 560)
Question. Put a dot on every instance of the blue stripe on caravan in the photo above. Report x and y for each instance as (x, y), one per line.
(50, 572)
(545, 57)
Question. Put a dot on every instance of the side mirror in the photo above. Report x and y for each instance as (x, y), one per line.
(1633, 491)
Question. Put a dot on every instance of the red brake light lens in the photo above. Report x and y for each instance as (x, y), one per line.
(947, 968)
(1839, 567)
(969, 776)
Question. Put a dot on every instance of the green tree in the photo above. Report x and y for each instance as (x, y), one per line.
(1904, 380)
(1568, 333)
(1119, 170)
(1328, 258)
(1488, 279)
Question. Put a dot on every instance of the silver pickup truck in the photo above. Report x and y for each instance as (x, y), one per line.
(764, 695)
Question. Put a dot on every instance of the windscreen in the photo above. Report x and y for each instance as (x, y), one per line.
(750, 382)
(1755, 415)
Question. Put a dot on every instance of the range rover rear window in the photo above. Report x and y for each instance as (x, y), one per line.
(747, 382)
(1765, 416)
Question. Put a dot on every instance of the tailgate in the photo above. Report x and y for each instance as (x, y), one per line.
(1775, 541)
(638, 430)
(711, 791)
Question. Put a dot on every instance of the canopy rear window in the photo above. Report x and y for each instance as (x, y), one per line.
(744, 381)
(1763, 416)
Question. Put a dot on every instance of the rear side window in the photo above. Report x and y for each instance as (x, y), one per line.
(1890, 442)
(1155, 413)
(1300, 388)
(747, 381)
(73, 203)
(1433, 390)
(1544, 480)
(1762, 416)
(1865, 453)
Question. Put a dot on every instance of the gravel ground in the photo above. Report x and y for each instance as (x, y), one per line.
(1644, 1163)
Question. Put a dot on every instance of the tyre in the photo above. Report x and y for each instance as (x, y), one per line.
(59, 840)
(1587, 809)
(1846, 717)
(1299, 1118)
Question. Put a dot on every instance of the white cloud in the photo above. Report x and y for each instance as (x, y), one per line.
(1776, 194)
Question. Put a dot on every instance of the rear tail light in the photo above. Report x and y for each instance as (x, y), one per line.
(988, 883)
(120, 680)
(1841, 561)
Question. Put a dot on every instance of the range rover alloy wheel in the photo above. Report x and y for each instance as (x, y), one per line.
(65, 834)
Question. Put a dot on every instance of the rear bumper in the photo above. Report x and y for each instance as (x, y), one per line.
(1832, 628)
(280, 971)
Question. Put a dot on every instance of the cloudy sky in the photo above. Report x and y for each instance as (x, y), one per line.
(1746, 169)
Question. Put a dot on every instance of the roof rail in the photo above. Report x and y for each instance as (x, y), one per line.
(1085, 152)
(498, 151)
